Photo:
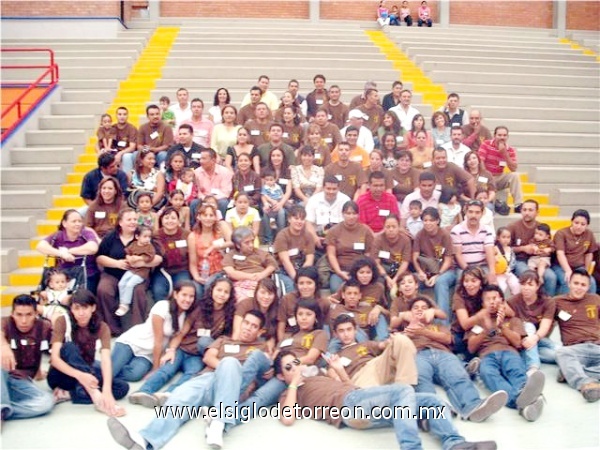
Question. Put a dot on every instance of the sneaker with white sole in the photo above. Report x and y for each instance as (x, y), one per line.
(532, 412)
(473, 366)
(214, 434)
(144, 399)
(122, 310)
(125, 438)
(532, 390)
(162, 397)
(489, 406)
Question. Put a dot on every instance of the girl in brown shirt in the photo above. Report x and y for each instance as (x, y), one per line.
(103, 211)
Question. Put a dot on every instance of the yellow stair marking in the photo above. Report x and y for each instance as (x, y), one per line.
(135, 94)
(575, 46)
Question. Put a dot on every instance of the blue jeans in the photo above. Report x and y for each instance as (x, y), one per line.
(549, 277)
(126, 365)
(407, 432)
(127, 284)
(563, 286)
(186, 362)
(443, 290)
(445, 369)
(280, 217)
(161, 287)
(579, 363)
(222, 386)
(504, 370)
(22, 398)
(288, 283)
(335, 283)
(543, 352)
(128, 160)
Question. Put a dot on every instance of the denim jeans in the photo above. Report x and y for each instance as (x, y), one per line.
(71, 354)
(288, 283)
(127, 284)
(22, 398)
(126, 365)
(189, 364)
(280, 219)
(443, 290)
(504, 370)
(563, 286)
(445, 369)
(222, 386)
(398, 395)
(579, 363)
(543, 352)
(335, 283)
(161, 287)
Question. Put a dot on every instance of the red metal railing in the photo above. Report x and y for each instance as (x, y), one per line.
(42, 81)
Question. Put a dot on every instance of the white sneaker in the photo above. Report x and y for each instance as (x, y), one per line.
(122, 310)
(162, 397)
(214, 434)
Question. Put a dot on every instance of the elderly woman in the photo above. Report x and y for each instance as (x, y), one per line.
(111, 256)
(71, 244)
(247, 265)
(103, 212)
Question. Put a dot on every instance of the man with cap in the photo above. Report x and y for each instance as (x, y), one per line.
(356, 118)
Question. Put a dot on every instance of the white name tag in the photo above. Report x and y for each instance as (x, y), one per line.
(291, 321)
(477, 329)
(255, 132)
(438, 187)
(219, 242)
(482, 179)
(98, 344)
(328, 140)
(384, 255)
(154, 135)
(345, 361)
(317, 156)
(284, 181)
(202, 132)
(395, 183)
(231, 204)
(502, 163)
(329, 117)
(286, 135)
(359, 246)
(24, 342)
(399, 139)
(122, 144)
(427, 164)
(248, 188)
(239, 257)
(339, 177)
(286, 342)
(356, 159)
(518, 241)
(564, 316)
(182, 243)
(384, 212)
(203, 332)
(231, 348)
(195, 155)
(293, 251)
(99, 214)
(13, 344)
(44, 345)
(319, 101)
(439, 141)
(215, 191)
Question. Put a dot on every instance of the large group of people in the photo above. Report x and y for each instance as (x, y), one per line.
(207, 244)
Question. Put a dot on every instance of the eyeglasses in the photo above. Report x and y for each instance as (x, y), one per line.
(288, 367)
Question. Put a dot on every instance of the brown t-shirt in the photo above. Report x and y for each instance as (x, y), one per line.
(375, 117)
(578, 320)
(256, 262)
(296, 246)
(259, 132)
(124, 136)
(350, 244)
(322, 156)
(338, 114)
(27, 347)
(360, 313)
(354, 356)
(575, 247)
(498, 342)
(542, 308)
(521, 235)
(270, 327)
(459, 302)
(389, 252)
(199, 327)
(293, 135)
(373, 294)
(174, 250)
(146, 251)
(452, 176)
(303, 341)
(422, 342)
(155, 136)
(324, 392)
(287, 306)
(404, 183)
(400, 304)
(484, 135)
(351, 177)
(102, 133)
(437, 246)
(245, 114)
(83, 338)
(330, 134)
(485, 180)
(236, 349)
(102, 218)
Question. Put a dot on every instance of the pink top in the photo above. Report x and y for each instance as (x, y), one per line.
(382, 12)
(404, 13)
(217, 184)
(202, 131)
(424, 12)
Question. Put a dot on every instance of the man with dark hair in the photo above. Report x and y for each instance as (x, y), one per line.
(372, 109)
(375, 205)
(293, 88)
(577, 317)
(267, 97)
(456, 116)
(212, 179)
(258, 127)
(275, 141)
(350, 174)
(202, 127)
(154, 135)
(247, 111)
(449, 174)
(357, 153)
(426, 193)
(336, 110)
(181, 109)
(24, 338)
(125, 140)
(404, 110)
(186, 145)
(330, 133)
(393, 98)
(107, 167)
(317, 98)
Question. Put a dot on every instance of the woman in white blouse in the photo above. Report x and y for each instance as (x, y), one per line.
(307, 178)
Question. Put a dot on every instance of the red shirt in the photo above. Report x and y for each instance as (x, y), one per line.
(491, 158)
(374, 212)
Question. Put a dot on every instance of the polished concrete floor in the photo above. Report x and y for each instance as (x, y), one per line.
(568, 421)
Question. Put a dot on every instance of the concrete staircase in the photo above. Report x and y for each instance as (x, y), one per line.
(546, 92)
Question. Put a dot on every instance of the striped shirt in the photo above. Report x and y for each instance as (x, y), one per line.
(472, 244)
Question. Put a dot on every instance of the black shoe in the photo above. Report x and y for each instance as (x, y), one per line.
(481, 445)
(501, 208)
(518, 208)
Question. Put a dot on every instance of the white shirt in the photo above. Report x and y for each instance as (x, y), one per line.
(456, 156)
(181, 114)
(416, 195)
(405, 117)
(365, 138)
(320, 212)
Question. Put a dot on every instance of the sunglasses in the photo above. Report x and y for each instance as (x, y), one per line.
(475, 203)
(288, 367)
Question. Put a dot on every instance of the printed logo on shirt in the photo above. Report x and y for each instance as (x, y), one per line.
(591, 311)
(361, 350)
(307, 341)
(586, 245)
(352, 180)
(450, 181)
(439, 251)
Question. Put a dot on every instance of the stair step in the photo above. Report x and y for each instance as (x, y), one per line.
(55, 137)
(25, 199)
(32, 175)
(42, 155)
(86, 122)
(76, 108)
(17, 227)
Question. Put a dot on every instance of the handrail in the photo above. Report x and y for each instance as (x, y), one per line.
(51, 69)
